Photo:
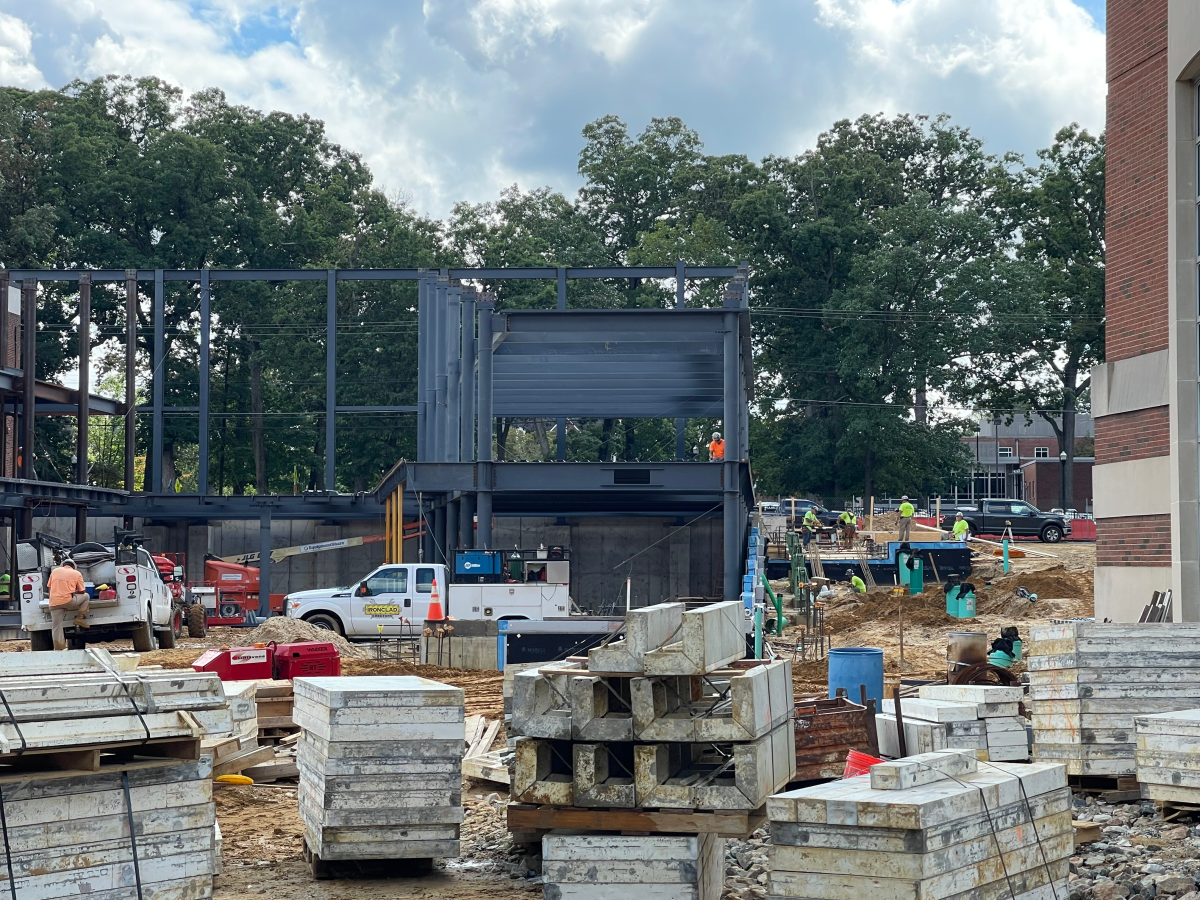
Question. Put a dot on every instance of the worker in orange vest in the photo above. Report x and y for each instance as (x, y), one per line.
(716, 447)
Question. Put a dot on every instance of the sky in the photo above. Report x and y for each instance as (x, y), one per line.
(452, 100)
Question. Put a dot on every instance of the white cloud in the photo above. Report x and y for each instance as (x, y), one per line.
(17, 66)
(455, 99)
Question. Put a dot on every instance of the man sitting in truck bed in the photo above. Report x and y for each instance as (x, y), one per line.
(67, 594)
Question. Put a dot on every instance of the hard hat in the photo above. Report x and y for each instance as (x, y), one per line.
(716, 435)
(958, 515)
(905, 497)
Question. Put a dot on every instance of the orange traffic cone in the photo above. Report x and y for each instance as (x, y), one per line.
(435, 605)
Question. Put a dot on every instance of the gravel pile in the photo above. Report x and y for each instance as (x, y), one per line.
(746, 866)
(1139, 856)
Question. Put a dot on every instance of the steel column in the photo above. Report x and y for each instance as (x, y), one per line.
(451, 545)
(131, 311)
(423, 423)
(154, 472)
(466, 521)
(81, 427)
(4, 319)
(466, 434)
(483, 475)
(264, 563)
(205, 333)
(453, 371)
(28, 376)
(561, 423)
(731, 481)
(680, 303)
(331, 380)
(440, 361)
(439, 534)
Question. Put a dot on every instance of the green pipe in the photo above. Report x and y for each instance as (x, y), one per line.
(777, 602)
(758, 632)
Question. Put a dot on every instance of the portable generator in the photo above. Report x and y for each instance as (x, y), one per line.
(271, 661)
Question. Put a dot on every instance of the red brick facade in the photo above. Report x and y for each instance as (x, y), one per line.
(1043, 484)
(1136, 179)
(1134, 541)
(1133, 435)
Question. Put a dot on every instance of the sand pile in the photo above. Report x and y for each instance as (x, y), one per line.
(284, 630)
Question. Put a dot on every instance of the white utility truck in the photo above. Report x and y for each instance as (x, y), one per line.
(487, 584)
(130, 600)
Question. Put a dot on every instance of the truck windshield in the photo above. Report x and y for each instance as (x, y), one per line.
(424, 581)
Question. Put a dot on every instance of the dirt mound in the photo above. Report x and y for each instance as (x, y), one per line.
(928, 609)
(284, 630)
(1055, 583)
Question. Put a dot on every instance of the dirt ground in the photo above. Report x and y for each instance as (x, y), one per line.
(263, 834)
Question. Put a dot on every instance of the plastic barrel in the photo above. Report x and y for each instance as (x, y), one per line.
(850, 667)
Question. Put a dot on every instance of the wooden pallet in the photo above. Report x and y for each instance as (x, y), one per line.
(487, 767)
(1171, 810)
(523, 817)
(1112, 789)
(88, 758)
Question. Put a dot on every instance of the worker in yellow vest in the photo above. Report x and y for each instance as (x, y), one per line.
(848, 522)
(907, 511)
(961, 528)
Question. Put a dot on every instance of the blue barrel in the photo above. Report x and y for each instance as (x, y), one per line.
(850, 667)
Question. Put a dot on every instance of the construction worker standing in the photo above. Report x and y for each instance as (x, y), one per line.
(67, 594)
(961, 528)
(848, 522)
(906, 516)
(716, 447)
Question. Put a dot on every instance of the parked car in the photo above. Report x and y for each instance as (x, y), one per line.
(797, 509)
(994, 516)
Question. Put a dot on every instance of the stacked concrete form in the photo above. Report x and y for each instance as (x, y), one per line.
(982, 718)
(103, 787)
(1168, 766)
(662, 867)
(937, 826)
(667, 724)
(1089, 680)
(380, 763)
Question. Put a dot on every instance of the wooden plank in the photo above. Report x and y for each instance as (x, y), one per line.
(487, 767)
(524, 817)
(272, 771)
(244, 759)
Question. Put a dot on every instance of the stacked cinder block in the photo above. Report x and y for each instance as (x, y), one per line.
(983, 718)
(1089, 680)
(655, 722)
(664, 867)
(102, 781)
(937, 826)
(1168, 766)
(380, 763)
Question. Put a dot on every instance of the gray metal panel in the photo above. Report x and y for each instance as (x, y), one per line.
(610, 363)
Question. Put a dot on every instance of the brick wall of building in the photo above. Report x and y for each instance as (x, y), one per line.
(1042, 484)
(1136, 179)
(1134, 541)
(1133, 435)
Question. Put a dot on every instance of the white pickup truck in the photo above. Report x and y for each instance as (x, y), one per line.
(140, 606)
(397, 597)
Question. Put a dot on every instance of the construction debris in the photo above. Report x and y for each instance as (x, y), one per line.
(1088, 681)
(380, 762)
(926, 828)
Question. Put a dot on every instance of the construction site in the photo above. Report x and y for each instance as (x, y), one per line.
(576, 678)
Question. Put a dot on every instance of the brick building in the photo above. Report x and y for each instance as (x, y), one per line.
(1042, 481)
(1003, 453)
(1144, 396)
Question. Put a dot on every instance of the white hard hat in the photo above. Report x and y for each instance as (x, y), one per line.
(905, 497)
(716, 435)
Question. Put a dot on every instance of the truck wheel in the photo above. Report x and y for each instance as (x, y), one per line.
(166, 639)
(1051, 534)
(197, 621)
(41, 640)
(143, 637)
(177, 621)
(325, 621)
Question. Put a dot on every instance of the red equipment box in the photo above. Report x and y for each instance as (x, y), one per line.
(309, 658)
(271, 661)
(238, 663)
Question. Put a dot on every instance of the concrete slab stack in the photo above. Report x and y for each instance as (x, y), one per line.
(984, 718)
(380, 763)
(668, 731)
(1089, 680)
(1168, 766)
(939, 826)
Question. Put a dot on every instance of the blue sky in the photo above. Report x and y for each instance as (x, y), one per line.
(454, 100)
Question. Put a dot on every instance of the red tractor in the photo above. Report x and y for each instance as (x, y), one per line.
(228, 594)
(185, 607)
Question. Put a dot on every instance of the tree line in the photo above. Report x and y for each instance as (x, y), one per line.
(902, 278)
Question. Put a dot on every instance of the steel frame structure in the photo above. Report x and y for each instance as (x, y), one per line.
(458, 383)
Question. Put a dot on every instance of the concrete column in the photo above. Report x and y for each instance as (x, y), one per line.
(264, 564)
(197, 549)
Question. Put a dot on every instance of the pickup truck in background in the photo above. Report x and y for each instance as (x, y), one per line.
(487, 584)
(994, 516)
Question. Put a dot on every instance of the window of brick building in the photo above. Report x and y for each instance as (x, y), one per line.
(1041, 452)
(1006, 452)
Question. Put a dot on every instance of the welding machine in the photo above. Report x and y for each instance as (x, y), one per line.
(271, 661)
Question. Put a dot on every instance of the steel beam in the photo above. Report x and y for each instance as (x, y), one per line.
(731, 431)
(264, 563)
(331, 317)
(28, 374)
(483, 475)
(466, 447)
(131, 311)
(205, 334)
(154, 472)
(81, 426)
(423, 367)
(453, 370)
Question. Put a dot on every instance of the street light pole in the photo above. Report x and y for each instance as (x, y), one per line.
(1062, 480)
